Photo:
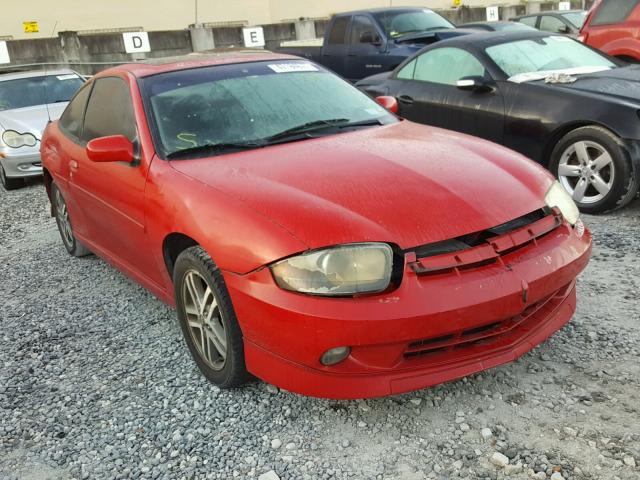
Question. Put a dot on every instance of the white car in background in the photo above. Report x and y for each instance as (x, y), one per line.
(28, 100)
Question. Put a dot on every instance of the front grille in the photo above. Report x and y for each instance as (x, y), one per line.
(484, 247)
(490, 333)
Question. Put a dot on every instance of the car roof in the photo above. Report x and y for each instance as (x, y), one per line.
(150, 67)
(13, 75)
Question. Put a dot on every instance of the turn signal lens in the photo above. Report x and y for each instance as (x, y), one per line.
(335, 355)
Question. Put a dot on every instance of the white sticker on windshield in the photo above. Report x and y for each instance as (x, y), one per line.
(292, 67)
(69, 76)
(558, 38)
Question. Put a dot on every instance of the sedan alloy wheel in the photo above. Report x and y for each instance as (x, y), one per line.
(586, 170)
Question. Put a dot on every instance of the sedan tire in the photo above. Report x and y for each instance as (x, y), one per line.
(207, 319)
(71, 243)
(10, 183)
(593, 165)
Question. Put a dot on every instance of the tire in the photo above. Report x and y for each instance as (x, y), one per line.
(211, 332)
(594, 166)
(10, 183)
(73, 245)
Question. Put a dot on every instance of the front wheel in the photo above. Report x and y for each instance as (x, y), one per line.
(208, 321)
(593, 165)
(10, 183)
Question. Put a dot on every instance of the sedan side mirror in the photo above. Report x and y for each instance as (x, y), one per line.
(116, 148)
(388, 102)
(474, 84)
(370, 37)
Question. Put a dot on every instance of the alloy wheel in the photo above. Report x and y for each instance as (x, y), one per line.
(62, 216)
(586, 171)
(206, 324)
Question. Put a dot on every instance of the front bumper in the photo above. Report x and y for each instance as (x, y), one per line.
(21, 166)
(432, 329)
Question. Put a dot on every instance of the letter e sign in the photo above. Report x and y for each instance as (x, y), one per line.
(253, 37)
(136, 42)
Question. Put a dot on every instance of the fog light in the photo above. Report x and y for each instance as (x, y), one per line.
(335, 355)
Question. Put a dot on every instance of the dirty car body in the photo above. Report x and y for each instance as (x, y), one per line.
(452, 275)
(27, 101)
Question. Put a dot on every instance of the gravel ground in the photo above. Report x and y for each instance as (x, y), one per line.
(95, 382)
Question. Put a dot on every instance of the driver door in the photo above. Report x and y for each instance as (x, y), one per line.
(365, 42)
(428, 94)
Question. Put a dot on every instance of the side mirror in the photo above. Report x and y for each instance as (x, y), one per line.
(564, 29)
(116, 148)
(474, 84)
(370, 37)
(388, 102)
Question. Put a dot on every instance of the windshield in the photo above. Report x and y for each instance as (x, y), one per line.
(401, 22)
(546, 54)
(575, 18)
(32, 91)
(251, 104)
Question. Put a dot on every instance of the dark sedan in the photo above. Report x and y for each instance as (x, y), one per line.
(497, 26)
(557, 101)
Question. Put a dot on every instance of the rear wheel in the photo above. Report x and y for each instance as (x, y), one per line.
(73, 246)
(208, 321)
(593, 165)
(10, 183)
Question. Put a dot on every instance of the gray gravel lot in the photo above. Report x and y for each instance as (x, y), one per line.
(95, 383)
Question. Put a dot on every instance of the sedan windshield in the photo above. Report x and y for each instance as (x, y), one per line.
(32, 91)
(534, 58)
(401, 22)
(212, 110)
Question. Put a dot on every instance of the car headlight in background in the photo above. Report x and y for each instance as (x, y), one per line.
(341, 270)
(13, 139)
(558, 197)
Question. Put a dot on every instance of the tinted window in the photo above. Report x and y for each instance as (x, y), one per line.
(613, 11)
(531, 21)
(109, 111)
(32, 91)
(402, 22)
(552, 24)
(406, 73)
(71, 119)
(338, 34)
(447, 66)
(362, 25)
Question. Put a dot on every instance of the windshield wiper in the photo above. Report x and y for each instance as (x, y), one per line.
(214, 148)
(315, 126)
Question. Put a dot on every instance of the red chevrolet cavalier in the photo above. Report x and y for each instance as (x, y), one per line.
(305, 234)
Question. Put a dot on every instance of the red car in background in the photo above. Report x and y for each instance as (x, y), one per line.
(613, 26)
(305, 234)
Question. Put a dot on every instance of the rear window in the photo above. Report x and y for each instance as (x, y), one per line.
(338, 33)
(613, 11)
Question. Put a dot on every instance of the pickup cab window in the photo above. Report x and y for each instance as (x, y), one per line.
(338, 33)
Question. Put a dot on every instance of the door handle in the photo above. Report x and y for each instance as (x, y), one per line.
(73, 165)
(406, 99)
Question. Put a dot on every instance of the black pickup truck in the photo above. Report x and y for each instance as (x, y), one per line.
(365, 42)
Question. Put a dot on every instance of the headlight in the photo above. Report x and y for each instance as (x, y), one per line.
(13, 139)
(558, 197)
(341, 270)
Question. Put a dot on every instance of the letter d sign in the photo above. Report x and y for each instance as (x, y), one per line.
(136, 42)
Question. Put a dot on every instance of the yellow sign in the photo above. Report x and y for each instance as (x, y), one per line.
(457, 3)
(30, 27)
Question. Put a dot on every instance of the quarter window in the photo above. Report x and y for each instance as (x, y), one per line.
(71, 119)
(338, 34)
(613, 11)
(446, 66)
(110, 111)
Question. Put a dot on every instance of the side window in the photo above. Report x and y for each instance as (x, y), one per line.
(110, 111)
(552, 24)
(362, 30)
(338, 33)
(446, 66)
(71, 119)
(531, 21)
(406, 73)
(613, 11)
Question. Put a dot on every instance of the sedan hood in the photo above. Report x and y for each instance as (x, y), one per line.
(404, 183)
(30, 119)
(619, 82)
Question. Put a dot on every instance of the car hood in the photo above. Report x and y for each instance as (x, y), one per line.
(404, 183)
(619, 82)
(31, 119)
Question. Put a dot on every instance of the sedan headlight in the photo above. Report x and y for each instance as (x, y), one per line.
(13, 139)
(558, 197)
(338, 271)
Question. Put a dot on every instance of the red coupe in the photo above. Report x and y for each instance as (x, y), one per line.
(305, 234)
